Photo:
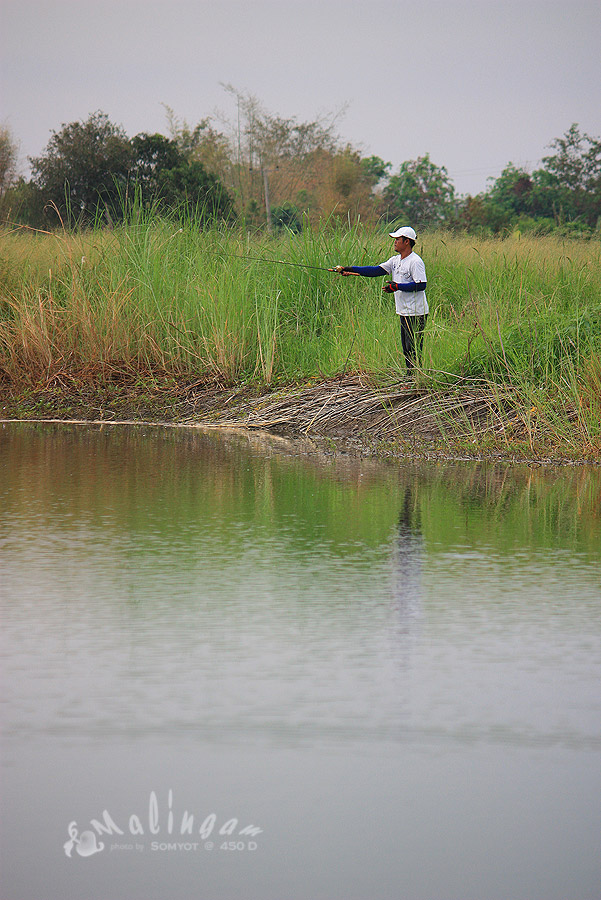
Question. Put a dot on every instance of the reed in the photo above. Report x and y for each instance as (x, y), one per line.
(163, 297)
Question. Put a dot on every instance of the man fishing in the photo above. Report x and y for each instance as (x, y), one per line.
(408, 272)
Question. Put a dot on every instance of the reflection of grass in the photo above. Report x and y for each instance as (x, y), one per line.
(155, 298)
(179, 484)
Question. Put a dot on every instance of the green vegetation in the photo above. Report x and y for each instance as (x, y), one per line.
(421, 192)
(160, 298)
(266, 171)
(91, 174)
(563, 197)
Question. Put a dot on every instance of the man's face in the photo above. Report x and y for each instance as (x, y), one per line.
(399, 243)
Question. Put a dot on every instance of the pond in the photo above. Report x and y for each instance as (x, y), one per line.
(235, 666)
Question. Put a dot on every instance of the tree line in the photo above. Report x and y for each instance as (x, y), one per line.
(272, 172)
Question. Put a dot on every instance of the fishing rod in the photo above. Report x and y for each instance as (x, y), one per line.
(263, 259)
(281, 262)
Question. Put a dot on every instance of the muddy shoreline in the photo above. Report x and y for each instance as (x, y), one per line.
(351, 415)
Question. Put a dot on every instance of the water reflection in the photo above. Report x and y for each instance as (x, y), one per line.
(408, 559)
(407, 564)
(148, 481)
(336, 647)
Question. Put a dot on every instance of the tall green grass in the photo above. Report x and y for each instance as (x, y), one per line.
(157, 296)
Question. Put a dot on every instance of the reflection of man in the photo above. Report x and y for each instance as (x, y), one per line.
(407, 561)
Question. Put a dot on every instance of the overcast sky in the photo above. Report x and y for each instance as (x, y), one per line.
(474, 83)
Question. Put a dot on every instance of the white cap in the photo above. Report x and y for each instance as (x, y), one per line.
(405, 231)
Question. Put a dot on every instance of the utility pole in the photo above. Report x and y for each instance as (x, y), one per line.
(267, 204)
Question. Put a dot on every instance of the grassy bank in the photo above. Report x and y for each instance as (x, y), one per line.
(148, 302)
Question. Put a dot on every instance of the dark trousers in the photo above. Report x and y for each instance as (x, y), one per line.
(412, 337)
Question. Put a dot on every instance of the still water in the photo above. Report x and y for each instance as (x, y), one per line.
(236, 669)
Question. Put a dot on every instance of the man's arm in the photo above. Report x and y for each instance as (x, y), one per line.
(366, 271)
(406, 287)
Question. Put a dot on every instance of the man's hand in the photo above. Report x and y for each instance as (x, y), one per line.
(390, 287)
(341, 270)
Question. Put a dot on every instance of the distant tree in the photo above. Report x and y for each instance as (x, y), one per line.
(84, 169)
(9, 152)
(470, 213)
(348, 172)
(375, 169)
(268, 150)
(152, 154)
(191, 190)
(577, 160)
(201, 143)
(421, 193)
(566, 191)
(266, 158)
(286, 218)
(508, 197)
(511, 192)
(23, 203)
(570, 180)
(335, 185)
